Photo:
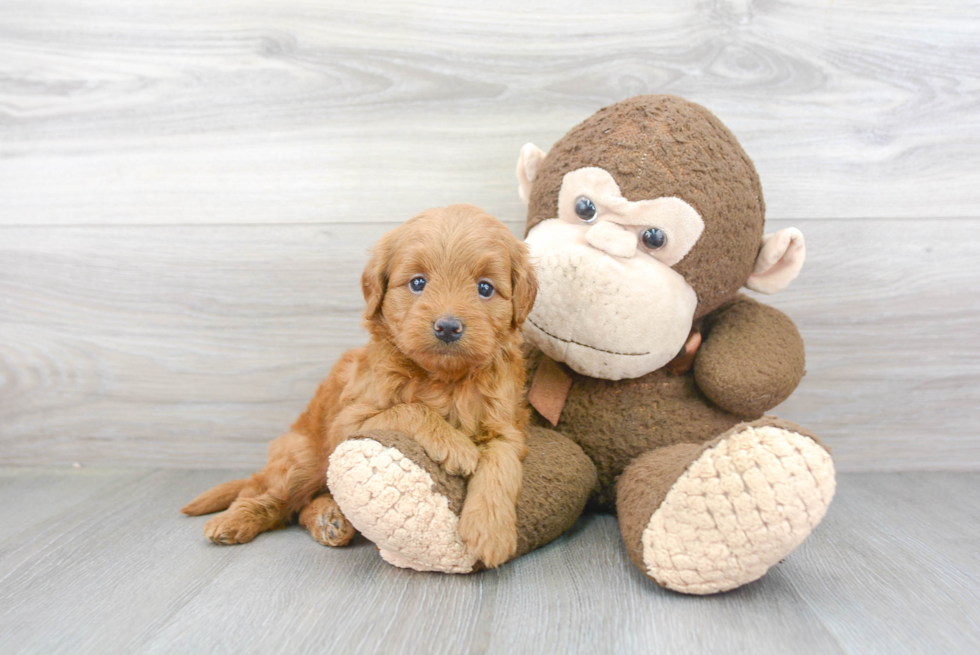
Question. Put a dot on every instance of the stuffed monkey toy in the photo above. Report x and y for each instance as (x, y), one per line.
(650, 374)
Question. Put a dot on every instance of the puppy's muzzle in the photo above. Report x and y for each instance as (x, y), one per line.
(448, 329)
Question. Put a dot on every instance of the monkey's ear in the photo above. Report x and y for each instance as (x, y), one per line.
(524, 285)
(779, 262)
(527, 168)
(374, 280)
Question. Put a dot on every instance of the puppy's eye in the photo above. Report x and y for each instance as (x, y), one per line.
(585, 209)
(654, 238)
(417, 284)
(484, 288)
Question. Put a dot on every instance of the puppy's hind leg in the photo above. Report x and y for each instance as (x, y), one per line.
(269, 499)
(215, 499)
(328, 525)
(254, 511)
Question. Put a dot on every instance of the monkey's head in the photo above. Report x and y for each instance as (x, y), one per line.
(641, 220)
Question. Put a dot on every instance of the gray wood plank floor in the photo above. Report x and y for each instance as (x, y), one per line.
(100, 561)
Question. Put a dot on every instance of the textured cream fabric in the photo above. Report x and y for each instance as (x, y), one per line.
(681, 222)
(741, 507)
(612, 239)
(391, 500)
(527, 168)
(606, 317)
(780, 260)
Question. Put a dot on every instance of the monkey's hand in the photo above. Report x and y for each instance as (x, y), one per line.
(752, 358)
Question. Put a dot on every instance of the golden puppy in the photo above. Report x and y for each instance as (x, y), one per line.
(446, 295)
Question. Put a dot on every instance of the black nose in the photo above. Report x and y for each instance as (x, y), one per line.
(448, 329)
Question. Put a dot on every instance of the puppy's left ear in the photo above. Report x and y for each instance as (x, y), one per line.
(524, 285)
(374, 280)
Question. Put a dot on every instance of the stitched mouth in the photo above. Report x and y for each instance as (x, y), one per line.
(585, 345)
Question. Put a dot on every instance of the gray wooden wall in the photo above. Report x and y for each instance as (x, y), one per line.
(188, 190)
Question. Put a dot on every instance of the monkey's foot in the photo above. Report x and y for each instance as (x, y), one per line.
(403, 502)
(743, 504)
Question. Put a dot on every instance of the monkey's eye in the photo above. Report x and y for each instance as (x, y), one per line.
(417, 284)
(484, 288)
(654, 238)
(585, 209)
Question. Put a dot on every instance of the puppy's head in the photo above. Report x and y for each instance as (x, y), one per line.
(449, 287)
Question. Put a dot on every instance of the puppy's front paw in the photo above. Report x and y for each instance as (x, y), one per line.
(490, 535)
(456, 457)
(232, 527)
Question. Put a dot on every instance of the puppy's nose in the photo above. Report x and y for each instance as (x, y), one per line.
(448, 329)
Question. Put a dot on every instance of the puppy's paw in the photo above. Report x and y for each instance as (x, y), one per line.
(332, 529)
(326, 523)
(456, 457)
(490, 534)
(232, 527)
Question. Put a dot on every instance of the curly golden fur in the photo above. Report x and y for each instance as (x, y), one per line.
(462, 399)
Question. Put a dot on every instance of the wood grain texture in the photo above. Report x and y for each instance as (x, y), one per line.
(193, 346)
(333, 111)
(892, 569)
(187, 193)
(897, 546)
(32, 496)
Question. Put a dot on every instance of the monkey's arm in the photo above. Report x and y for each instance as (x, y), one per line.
(751, 359)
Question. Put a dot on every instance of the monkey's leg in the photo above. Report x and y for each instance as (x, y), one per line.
(404, 502)
(701, 519)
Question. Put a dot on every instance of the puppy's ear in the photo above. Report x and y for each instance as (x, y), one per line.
(374, 280)
(524, 285)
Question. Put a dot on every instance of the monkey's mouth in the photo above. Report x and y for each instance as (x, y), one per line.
(585, 345)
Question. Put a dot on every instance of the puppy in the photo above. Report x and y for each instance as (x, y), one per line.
(446, 295)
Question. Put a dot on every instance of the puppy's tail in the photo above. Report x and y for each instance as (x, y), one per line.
(215, 499)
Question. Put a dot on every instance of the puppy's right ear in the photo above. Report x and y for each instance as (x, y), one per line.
(374, 280)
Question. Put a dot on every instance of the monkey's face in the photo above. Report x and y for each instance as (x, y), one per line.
(609, 303)
(644, 217)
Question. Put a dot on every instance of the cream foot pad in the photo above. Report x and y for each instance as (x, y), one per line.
(394, 502)
(741, 507)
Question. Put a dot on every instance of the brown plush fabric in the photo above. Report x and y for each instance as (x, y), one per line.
(558, 481)
(657, 146)
(616, 421)
(752, 357)
(644, 486)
